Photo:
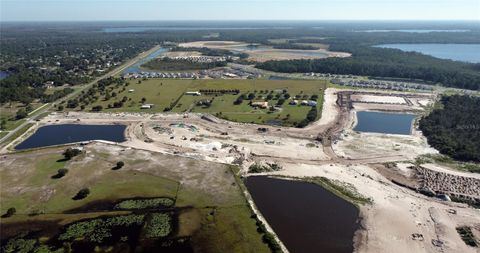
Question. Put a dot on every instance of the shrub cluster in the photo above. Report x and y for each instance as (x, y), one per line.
(133, 204)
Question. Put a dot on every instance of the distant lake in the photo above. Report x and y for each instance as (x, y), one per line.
(457, 52)
(387, 123)
(3, 75)
(69, 133)
(135, 68)
(415, 31)
(305, 216)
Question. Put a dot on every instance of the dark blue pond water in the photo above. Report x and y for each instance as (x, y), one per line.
(387, 123)
(456, 52)
(68, 133)
(135, 68)
(306, 217)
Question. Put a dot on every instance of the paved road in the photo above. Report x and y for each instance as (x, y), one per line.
(44, 108)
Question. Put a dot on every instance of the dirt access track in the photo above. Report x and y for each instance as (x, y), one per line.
(398, 220)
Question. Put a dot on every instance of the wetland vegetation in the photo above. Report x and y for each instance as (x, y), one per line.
(144, 209)
(132, 204)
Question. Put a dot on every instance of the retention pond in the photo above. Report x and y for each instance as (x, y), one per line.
(387, 123)
(69, 133)
(305, 216)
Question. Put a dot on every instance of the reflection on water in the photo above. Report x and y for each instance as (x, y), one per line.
(68, 133)
(305, 216)
(381, 122)
(135, 68)
(456, 52)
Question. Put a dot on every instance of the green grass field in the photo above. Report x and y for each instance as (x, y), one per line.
(163, 93)
(215, 213)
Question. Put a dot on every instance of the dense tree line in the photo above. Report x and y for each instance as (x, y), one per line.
(382, 62)
(294, 46)
(33, 54)
(169, 64)
(311, 116)
(70, 53)
(454, 129)
(47, 98)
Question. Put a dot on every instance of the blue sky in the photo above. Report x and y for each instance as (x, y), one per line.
(96, 10)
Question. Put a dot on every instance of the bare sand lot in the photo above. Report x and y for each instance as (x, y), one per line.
(378, 99)
(266, 53)
(355, 145)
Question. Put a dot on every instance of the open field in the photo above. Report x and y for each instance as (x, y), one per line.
(38, 191)
(213, 202)
(164, 93)
(265, 53)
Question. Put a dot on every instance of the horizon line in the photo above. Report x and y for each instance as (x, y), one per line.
(250, 20)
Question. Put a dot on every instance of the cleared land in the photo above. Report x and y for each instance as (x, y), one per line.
(266, 53)
(378, 99)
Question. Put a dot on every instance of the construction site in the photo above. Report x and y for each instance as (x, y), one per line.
(421, 198)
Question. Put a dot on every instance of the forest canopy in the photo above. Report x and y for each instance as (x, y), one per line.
(381, 62)
(169, 64)
(454, 130)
